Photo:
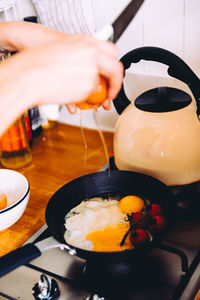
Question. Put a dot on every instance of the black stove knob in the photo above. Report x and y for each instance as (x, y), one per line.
(46, 289)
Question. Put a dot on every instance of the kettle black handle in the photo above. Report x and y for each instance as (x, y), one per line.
(177, 69)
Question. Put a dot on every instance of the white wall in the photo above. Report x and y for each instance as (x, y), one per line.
(171, 24)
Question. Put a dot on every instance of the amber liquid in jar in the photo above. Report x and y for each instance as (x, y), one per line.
(15, 150)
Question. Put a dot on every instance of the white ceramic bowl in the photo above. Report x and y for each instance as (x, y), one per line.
(16, 188)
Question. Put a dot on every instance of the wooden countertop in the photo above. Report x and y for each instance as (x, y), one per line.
(58, 157)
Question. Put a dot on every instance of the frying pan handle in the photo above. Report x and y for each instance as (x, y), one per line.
(177, 68)
(27, 253)
(17, 258)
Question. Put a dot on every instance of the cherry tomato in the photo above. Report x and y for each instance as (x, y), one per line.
(157, 224)
(139, 237)
(140, 224)
(156, 210)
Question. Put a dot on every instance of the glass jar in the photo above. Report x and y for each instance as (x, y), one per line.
(15, 149)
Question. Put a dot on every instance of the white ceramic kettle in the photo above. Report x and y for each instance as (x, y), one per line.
(159, 133)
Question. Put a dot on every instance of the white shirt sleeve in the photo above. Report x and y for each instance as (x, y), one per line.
(70, 16)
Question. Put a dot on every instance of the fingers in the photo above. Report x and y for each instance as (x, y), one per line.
(103, 46)
(109, 48)
(110, 67)
(106, 105)
(112, 70)
(72, 108)
(107, 56)
(17, 36)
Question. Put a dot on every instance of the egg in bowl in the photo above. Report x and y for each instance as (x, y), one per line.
(14, 196)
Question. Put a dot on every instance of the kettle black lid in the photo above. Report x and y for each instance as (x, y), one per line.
(163, 99)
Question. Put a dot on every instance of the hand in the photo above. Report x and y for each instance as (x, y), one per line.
(64, 71)
(18, 36)
(68, 70)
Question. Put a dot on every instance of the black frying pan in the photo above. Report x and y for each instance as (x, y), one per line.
(119, 184)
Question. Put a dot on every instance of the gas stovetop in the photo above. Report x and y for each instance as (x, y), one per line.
(169, 272)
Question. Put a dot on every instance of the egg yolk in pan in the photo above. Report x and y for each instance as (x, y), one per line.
(131, 204)
(108, 239)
